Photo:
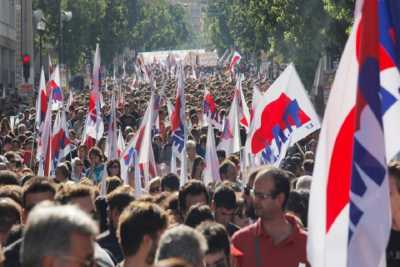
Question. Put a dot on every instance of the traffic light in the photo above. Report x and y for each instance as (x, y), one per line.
(26, 64)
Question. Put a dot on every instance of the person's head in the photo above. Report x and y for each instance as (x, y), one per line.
(191, 193)
(114, 168)
(10, 214)
(304, 183)
(36, 190)
(8, 178)
(77, 194)
(170, 183)
(228, 171)
(308, 166)
(95, 156)
(112, 183)
(62, 173)
(270, 193)
(77, 166)
(297, 204)
(221, 154)
(394, 188)
(182, 242)
(191, 149)
(198, 214)
(218, 252)
(65, 234)
(155, 186)
(82, 151)
(117, 201)
(172, 262)
(139, 228)
(224, 204)
(198, 167)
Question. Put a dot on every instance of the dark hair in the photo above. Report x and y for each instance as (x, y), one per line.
(64, 170)
(67, 192)
(216, 236)
(170, 182)
(224, 197)
(223, 168)
(394, 171)
(281, 181)
(12, 191)
(196, 162)
(298, 204)
(10, 214)
(96, 152)
(192, 187)
(198, 214)
(8, 178)
(112, 162)
(37, 184)
(308, 165)
(120, 198)
(137, 220)
(112, 183)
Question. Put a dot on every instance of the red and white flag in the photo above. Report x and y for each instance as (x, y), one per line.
(111, 148)
(243, 109)
(94, 126)
(41, 103)
(349, 213)
(120, 144)
(283, 116)
(43, 150)
(211, 171)
(235, 59)
(60, 144)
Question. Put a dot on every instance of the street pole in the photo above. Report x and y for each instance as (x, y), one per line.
(40, 51)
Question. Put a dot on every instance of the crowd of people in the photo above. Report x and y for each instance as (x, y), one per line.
(253, 217)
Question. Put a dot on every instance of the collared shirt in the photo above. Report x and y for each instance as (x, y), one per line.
(290, 252)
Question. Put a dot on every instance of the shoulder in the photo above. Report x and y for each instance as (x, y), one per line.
(245, 234)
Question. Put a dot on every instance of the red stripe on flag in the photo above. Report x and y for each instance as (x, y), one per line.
(338, 187)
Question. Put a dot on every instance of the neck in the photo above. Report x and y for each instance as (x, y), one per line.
(277, 228)
(136, 261)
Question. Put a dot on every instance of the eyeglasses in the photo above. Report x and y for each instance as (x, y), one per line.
(83, 263)
(114, 167)
(261, 195)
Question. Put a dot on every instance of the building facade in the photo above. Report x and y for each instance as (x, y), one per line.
(8, 43)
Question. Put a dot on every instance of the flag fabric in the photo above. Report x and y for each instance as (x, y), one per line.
(243, 109)
(54, 86)
(43, 150)
(257, 95)
(235, 59)
(349, 213)
(94, 126)
(138, 155)
(389, 66)
(211, 171)
(120, 144)
(210, 113)
(293, 118)
(41, 102)
(230, 135)
(60, 144)
(112, 138)
(178, 128)
(70, 101)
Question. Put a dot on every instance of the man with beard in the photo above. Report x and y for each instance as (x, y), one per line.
(275, 239)
(140, 227)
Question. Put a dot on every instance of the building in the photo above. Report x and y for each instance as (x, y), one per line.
(8, 43)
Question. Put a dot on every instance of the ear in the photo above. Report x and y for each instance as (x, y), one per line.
(280, 198)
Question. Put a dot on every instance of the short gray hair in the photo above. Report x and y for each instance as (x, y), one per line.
(182, 242)
(48, 231)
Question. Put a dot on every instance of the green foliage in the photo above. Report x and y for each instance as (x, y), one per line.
(115, 24)
(298, 31)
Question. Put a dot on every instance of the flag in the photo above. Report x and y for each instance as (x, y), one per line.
(257, 95)
(243, 109)
(43, 150)
(178, 128)
(120, 144)
(111, 144)
(389, 66)
(230, 136)
(211, 171)
(94, 126)
(54, 86)
(41, 102)
(60, 144)
(210, 114)
(138, 155)
(51, 67)
(70, 100)
(283, 114)
(349, 213)
(235, 59)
